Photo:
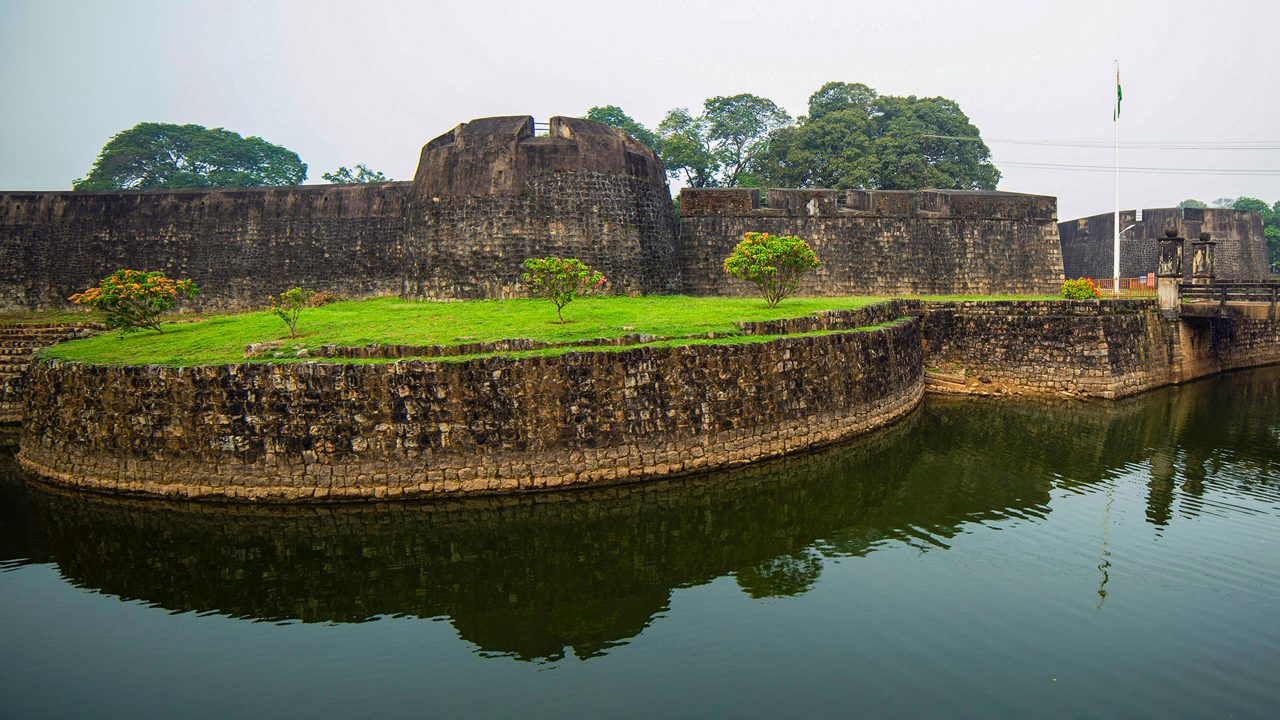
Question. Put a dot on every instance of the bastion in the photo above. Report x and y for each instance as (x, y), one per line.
(1088, 243)
(487, 195)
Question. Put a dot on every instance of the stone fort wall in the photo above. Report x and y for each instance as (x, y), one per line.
(487, 195)
(494, 191)
(880, 242)
(1088, 244)
(238, 245)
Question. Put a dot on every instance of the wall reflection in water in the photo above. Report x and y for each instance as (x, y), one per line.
(529, 577)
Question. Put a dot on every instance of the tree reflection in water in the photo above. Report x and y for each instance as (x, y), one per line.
(531, 576)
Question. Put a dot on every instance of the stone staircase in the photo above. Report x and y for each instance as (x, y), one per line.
(18, 344)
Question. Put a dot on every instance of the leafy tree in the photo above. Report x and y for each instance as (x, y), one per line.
(161, 155)
(737, 127)
(134, 299)
(288, 307)
(360, 175)
(716, 148)
(773, 264)
(686, 149)
(1252, 205)
(855, 138)
(1192, 203)
(560, 280)
(1224, 202)
(614, 117)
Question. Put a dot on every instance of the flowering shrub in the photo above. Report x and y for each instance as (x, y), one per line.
(288, 306)
(772, 263)
(135, 299)
(560, 280)
(1080, 289)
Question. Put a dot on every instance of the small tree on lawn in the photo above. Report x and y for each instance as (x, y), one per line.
(774, 264)
(288, 306)
(135, 299)
(560, 280)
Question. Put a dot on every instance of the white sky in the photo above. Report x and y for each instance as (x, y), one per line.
(363, 81)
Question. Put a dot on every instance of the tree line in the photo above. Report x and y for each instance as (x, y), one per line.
(151, 156)
(851, 137)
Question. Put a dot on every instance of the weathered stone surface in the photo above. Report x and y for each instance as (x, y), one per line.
(487, 195)
(299, 432)
(1087, 348)
(1088, 243)
(880, 242)
(18, 343)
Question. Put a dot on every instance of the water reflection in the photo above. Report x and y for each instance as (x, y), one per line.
(540, 576)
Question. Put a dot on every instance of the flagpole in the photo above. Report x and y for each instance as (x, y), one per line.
(1115, 267)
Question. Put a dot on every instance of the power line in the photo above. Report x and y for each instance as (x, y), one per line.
(1138, 170)
(1152, 145)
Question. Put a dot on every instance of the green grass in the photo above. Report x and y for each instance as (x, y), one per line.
(217, 339)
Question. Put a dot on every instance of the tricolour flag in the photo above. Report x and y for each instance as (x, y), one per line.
(1119, 95)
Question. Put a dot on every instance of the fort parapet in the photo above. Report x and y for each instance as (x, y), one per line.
(880, 242)
(1088, 244)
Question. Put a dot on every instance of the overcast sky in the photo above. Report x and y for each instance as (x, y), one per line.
(364, 81)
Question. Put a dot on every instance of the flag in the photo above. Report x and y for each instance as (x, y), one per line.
(1119, 95)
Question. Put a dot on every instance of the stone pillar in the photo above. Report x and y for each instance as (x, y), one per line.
(1202, 260)
(1169, 270)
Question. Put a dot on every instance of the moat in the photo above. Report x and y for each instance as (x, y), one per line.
(992, 558)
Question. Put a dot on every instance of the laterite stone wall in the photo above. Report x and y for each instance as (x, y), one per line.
(307, 431)
(945, 242)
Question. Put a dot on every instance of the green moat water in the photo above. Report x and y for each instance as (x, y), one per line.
(979, 559)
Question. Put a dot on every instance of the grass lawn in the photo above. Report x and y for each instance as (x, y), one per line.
(217, 339)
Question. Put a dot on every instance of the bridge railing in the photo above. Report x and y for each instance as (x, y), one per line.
(1230, 292)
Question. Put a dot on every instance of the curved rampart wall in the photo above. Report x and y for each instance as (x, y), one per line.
(947, 242)
(1088, 244)
(494, 425)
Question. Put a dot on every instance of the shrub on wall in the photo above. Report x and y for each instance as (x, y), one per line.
(288, 306)
(1080, 289)
(774, 264)
(135, 299)
(560, 280)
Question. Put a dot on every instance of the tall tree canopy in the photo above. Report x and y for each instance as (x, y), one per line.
(716, 148)
(162, 155)
(713, 149)
(856, 138)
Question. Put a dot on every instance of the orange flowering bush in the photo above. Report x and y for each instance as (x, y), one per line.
(1080, 289)
(135, 299)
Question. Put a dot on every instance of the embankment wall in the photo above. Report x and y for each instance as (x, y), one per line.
(307, 431)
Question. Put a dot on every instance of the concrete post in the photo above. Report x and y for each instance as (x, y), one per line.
(1202, 260)
(1169, 270)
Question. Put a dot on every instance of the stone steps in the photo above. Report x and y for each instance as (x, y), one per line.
(18, 345)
